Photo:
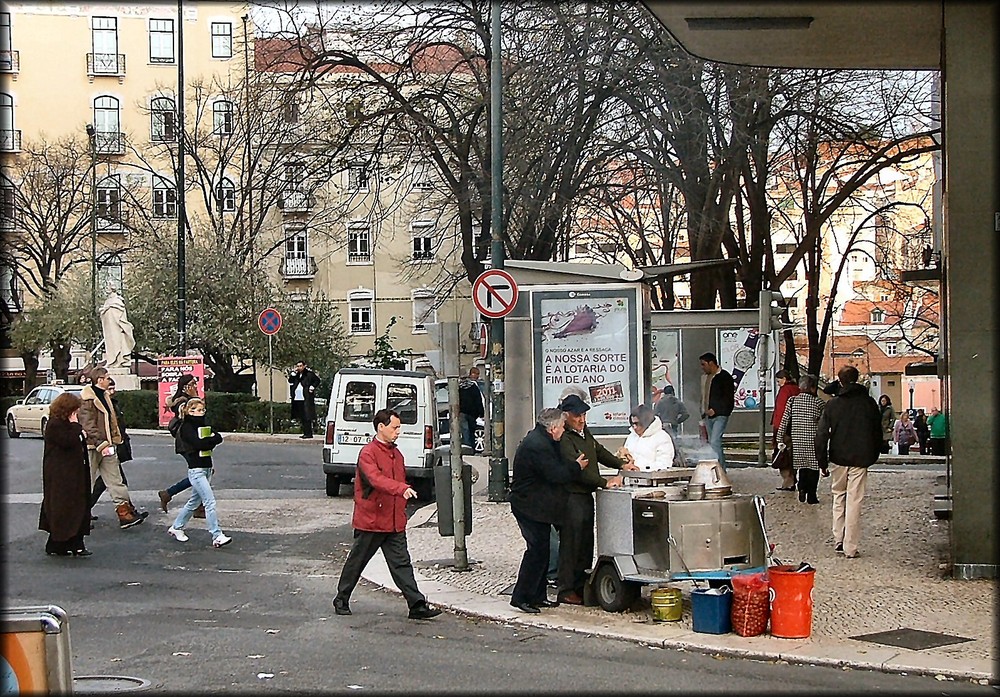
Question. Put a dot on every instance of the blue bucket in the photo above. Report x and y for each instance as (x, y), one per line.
(710, 610)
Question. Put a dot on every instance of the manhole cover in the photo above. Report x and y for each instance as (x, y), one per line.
(915, 639)
(108, 683)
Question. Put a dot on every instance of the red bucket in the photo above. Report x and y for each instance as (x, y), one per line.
(791, 601)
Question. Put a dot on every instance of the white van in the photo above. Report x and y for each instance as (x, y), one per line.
(360, 392)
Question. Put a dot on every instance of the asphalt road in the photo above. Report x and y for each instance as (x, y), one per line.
(256, 615)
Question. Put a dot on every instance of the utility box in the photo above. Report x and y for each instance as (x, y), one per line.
(36, 650)
(442, 490)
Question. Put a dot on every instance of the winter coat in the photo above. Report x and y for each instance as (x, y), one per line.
(590, 480)
(379, 505)
(721, 395)
(125, 448)
(850, 431)
(802, 414)
(904, 433)
(653, 450)
(671, 411)
(938, 425)
(65, 511)
(304, 408)
(470, 399)
(538, 485)
(190, 444)
(100, 424)
(789, 389)
(888, 421)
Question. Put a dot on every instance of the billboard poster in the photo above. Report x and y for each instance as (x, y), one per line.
(588, 337)
(739, 354)
(169, 370)
(665, 361)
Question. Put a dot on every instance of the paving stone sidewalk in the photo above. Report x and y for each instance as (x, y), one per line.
(899, 581)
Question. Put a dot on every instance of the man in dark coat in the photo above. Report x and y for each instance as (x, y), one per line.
(380, 496)
(576, 536)
(302, 384)
(538, 500)
(849, 439)
(718, 398)
(470, 406)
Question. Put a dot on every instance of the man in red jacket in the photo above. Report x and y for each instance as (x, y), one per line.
(380, 496)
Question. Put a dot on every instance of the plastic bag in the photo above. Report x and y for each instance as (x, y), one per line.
(751, 604)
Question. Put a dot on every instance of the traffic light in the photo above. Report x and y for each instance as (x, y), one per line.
(770, 315)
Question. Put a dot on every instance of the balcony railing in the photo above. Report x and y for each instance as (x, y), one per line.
(361, 327)
(109, 143)
(10, 61)
(105, 64)
(10, 140)
(422, 255)
(293, 201)
(359, 257)
(112, 222)
(298, 267)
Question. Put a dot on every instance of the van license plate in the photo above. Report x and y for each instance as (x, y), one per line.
(353, 439)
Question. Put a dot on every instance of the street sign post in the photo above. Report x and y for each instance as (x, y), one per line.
(269, 322)
(483, 341)
(495, 293)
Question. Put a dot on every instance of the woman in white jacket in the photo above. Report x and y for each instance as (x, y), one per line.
(649, 446)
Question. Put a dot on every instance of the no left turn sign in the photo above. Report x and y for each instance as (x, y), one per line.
(494, 293)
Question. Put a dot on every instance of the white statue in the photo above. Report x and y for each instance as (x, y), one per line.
(118, 338)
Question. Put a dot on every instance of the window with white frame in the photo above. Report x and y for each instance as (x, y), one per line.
(104, 32)
(290, 108)
(296, 250)
(164, 198)
(357, 177)
(222, 117)
(222, 39)
(8, 207)
(109, 196)
(225, 195)
(423, 179)
(423, 240)
(877, 316)
(359, 307)
(162, 120)
(161, 41)
(6, 54)
(9, 138)
(109, 272)
(359, 243)
(424, 310)
(890, 348)
(107, 125)
(8, 288)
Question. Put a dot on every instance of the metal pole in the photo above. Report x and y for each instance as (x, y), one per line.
(181, 212)
(764, 359)
(455, 460)
(498, 483)
(92, 135)
(270, 382)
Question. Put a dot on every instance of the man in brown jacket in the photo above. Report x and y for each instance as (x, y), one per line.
(101, 426)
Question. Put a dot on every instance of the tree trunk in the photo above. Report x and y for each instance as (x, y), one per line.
(30, 359)
(60, 359)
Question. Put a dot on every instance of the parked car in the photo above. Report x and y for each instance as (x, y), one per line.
(444, 420)
(30, 414)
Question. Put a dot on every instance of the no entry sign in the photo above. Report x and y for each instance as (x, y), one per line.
(494, 293)
(269, 321)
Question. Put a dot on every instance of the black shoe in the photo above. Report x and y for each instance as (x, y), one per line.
(839, 549)
(341, 607)
(57, 554)
(93, 517)
(304, 436)
(546, 603)
(802, 495)
(424, 612)
(525, 607)
(84, 552)
(812, 500)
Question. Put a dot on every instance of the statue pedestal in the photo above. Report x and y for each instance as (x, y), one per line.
(124, 380)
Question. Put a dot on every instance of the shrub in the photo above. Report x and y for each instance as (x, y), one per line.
(226, 409)
(139, 407)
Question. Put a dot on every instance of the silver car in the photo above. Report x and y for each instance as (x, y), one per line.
(29, 415)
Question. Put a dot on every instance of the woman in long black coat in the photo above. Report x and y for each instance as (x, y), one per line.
(65, 513)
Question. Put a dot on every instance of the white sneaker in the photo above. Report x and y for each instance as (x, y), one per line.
(221, 540)
(178, 535)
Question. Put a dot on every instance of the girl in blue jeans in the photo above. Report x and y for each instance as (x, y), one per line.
(195, 441)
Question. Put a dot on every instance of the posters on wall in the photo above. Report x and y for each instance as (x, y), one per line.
(169, 370)
(588, 337)
(739, 353)
(665, 361)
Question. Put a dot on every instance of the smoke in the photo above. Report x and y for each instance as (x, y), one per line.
(691, 448)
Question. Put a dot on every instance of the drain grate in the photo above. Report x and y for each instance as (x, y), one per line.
(916, 639)
(109, 683)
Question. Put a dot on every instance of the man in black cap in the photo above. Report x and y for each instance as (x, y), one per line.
(576, 536)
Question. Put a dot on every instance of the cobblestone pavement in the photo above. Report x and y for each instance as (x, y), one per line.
(899, 581)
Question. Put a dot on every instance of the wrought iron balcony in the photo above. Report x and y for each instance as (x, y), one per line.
(359, 257)
(361, 327)
(423, 255)
(10, 61)
(294, 201)
(112, 221)
(10, 140)
(109, 143)
(298, 267)
(105, 64)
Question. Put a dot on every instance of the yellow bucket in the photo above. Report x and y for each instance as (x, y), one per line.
(667, 605)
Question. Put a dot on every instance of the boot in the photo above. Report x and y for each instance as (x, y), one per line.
(199, 512)
(127, 516)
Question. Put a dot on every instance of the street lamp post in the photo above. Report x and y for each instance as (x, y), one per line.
(92, 136)
(911, 395)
